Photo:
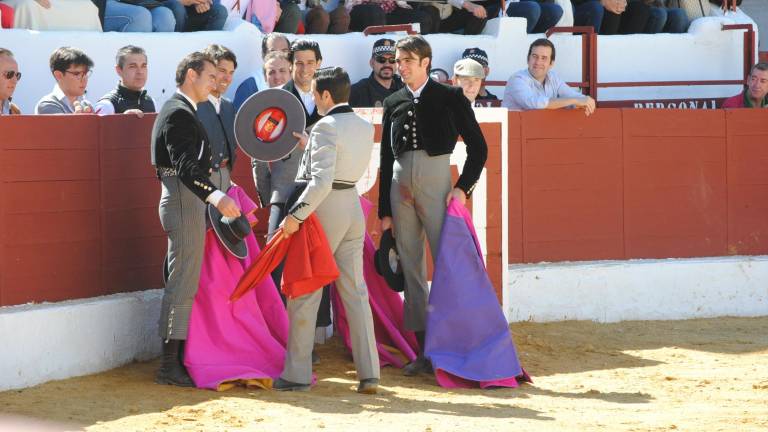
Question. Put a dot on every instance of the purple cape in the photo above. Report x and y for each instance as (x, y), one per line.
(467, 336)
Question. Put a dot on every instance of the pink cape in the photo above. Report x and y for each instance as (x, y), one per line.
(396, 345)
(234, 341)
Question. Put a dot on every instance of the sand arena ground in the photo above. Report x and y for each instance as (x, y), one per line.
(696, 375)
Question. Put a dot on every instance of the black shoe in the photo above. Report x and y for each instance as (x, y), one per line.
(315, 358)
(421, 364)
(172, 370)
(368, 386)
(285, 385)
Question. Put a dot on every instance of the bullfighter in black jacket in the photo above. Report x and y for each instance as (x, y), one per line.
(421, 124)
(182, 156)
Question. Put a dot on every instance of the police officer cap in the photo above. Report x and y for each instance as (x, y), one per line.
(383, 46)
(477, 55)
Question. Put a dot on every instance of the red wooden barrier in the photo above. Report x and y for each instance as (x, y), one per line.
(626, 184)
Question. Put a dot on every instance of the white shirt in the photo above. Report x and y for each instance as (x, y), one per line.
(524, 92)
(416, 93)
(189, 99)
(216, 102)
(307, 100)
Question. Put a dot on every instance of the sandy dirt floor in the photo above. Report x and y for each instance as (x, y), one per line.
(696, 375)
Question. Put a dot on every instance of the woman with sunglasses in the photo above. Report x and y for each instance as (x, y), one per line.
(9, 77)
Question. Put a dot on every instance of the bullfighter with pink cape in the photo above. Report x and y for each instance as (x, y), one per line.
(242, 341)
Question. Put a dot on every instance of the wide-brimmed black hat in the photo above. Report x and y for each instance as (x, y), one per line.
(265, 123)
(230, 231)
(384, 259)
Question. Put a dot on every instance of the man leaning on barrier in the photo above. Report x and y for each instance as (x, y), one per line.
(538, 87)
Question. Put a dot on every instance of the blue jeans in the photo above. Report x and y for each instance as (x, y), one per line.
(540, 16)
(124, 17)
(663, 20)
(589, 14)
(187, 19)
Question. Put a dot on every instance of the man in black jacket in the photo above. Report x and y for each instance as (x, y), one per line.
(371, 91)
(129, 97)
(182, 156)
(217, 115)
(421, 124)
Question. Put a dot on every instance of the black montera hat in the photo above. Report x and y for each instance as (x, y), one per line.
(385, 256)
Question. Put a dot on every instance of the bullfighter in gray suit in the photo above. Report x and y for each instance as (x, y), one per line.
(217, 115)
(182, 156)
(336, 157)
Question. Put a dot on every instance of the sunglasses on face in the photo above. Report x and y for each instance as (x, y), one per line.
(383, 60)
(10, 74)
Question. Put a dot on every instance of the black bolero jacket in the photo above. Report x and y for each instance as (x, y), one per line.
(179, 141)
(442, 114)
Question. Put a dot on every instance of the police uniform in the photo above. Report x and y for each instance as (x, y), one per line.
(368, 92)
(420, 129)
(336, 156)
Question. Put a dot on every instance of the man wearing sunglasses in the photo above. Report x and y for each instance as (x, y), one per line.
(9, 77)
(371, 91)
(71, 68)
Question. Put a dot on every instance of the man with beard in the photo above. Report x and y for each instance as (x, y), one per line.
(371, 91)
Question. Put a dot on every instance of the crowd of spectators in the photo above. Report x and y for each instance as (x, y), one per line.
(319, 17)
(292, 65)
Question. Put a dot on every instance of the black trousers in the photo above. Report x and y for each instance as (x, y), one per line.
(366, 15)
(632, 21)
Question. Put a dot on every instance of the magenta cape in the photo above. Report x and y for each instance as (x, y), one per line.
(234, 341)
(396, 345)
(467, 336)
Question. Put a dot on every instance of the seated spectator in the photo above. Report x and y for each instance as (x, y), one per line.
(541, 15)
(439, 75)
(71, 69)
(382, 82)
(9, 78)
(269, 43)
(129, 97)
(481, 57)
(138, 16)
(55, 14)
(468, 17)
(197, 15)
(754, 94)
(319, 21)
(367, 13)
(468, 74)
(277, 69)
(666, 19)
(538, 87)
(609, 17)
(6, 16)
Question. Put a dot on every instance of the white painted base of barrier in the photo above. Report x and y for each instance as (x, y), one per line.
(43, 342)
(610, 291)
(61, 340)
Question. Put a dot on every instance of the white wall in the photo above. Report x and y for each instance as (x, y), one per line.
(704, 53)
(43, 342)
(609, 291)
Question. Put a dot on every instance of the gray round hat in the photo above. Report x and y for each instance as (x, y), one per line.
(265, 123)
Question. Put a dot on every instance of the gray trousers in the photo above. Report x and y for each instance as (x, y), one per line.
(344, 226)
(182, 215)
(420, 184)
